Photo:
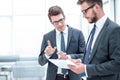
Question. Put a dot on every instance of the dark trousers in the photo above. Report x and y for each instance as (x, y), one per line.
(62, 77)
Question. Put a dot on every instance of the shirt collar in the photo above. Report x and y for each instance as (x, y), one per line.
(65, 31)
(100, 23)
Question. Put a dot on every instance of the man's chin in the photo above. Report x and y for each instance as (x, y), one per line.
(90, 21)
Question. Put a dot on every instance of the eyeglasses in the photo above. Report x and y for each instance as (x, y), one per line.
(59, 21)
(86, 10)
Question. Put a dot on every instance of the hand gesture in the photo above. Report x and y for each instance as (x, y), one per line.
(62, 55)
(49, 50)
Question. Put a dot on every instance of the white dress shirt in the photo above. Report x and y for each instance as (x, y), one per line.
(58, 42)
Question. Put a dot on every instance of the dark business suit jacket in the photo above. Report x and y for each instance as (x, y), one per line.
(75, 48)
(104, 63)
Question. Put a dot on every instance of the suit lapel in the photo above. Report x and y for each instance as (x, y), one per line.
(69, 36)
(54, 38)
(100, 36)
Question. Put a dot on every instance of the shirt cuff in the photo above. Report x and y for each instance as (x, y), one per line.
(86, 71)
(47, 56)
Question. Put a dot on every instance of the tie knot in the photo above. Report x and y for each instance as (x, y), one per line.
(61, 32)
(94, 29)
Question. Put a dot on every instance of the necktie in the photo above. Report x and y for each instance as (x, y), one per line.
(62, 42)
(88, 49)
(64, 71)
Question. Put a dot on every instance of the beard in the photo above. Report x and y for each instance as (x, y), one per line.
(94, 18)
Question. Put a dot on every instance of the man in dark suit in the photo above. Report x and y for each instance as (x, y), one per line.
(103, 61)
(50, 48)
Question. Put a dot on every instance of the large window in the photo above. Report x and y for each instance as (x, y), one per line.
(117, 11)
(23, 23)
(109, 8)
(5, 27)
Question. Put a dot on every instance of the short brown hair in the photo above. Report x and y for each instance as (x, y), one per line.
(54, 11)
(90, 2)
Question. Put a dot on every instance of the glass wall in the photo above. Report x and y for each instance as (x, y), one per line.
(5, 27)
(117, 11)
(23, 23)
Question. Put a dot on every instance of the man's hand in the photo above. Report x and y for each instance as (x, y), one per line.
(49, 50)
(78, 68)
(62, 55)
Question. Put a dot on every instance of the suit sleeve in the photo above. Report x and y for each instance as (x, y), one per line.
(42, 59)
(79, 48)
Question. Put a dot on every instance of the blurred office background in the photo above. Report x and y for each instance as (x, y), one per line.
(22, 25)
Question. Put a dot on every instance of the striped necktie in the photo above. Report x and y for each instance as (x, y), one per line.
(88, 49)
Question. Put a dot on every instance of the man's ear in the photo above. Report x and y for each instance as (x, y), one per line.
(96, 7)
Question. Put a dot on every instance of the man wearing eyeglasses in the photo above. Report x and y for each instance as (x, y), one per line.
(103, 60)
(74, 44)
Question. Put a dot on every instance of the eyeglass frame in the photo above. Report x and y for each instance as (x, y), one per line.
(86, 10)
(59, 21)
